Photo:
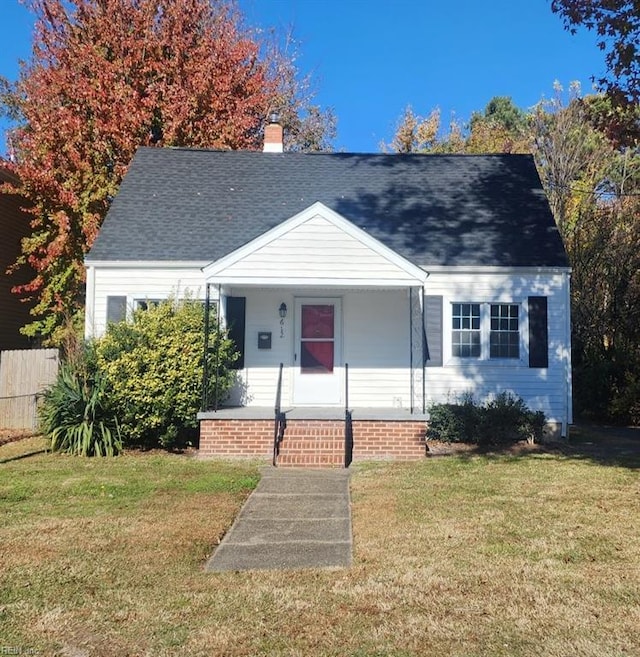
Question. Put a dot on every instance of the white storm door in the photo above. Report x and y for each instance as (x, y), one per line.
(317, 356)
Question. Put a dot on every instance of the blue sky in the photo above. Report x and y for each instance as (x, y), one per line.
(372, 58)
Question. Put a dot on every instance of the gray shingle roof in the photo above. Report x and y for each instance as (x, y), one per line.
(198, 205)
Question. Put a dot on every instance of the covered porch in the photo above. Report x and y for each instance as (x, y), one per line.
(330, 326)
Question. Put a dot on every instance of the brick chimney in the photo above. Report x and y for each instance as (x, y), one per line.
(273, 136)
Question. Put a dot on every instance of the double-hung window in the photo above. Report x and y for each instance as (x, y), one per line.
(504, 336)
(465, 339)
(485, 330)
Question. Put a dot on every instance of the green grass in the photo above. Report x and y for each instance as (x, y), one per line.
(529, 555)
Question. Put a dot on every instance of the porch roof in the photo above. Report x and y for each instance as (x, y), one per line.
(316, 247)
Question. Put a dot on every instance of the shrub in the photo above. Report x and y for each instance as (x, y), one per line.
(506, 419)
(75, 416)
(153, 368)
(453, 423)
(502, 420)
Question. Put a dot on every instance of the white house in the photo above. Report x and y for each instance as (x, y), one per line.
(398, 280)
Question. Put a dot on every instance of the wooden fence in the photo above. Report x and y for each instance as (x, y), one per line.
(24, 375)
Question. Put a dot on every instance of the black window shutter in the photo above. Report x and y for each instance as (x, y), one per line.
(235, 313)
(433, 331)
(116, 309)
(538, 332)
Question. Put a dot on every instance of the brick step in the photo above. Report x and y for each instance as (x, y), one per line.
(312, 447)
(314, 434)
(310, 460)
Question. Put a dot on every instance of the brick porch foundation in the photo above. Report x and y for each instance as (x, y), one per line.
(313, 443)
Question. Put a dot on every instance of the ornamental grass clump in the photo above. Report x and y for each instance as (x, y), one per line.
(75, 415)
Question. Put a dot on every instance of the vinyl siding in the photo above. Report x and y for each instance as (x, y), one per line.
(543, 389)
(261, 365)
(136, 283)
(375, 344)
(375, 338)
(317, 249)
(377, 348)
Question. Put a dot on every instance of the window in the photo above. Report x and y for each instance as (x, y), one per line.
(485, 330)
(116, 309)
(465, 341)
(145, 304)
(504, 337)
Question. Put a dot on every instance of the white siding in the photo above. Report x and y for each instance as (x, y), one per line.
(544, 389)
(375, 343)
(136, 283)
(261, 365)
(375, 334)
(377, 348)
(317, 250)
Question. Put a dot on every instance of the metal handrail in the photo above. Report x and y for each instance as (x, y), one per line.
(348, 423)
(280, 419)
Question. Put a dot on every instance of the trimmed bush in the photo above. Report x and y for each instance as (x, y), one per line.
(153, 367)
(453, 423)
(502, 420)
(506, 419)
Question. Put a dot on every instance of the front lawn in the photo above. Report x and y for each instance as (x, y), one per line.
(515, 555)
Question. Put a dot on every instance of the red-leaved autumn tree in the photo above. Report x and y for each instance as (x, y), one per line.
(107, 76)
(617, 24)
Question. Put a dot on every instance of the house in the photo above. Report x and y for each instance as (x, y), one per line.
(381, 283)
(14, 226)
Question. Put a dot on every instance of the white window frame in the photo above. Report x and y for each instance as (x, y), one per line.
(485, 332)
(148, 301)
(507, 331)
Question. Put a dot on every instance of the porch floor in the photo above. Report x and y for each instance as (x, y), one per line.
(313, 413)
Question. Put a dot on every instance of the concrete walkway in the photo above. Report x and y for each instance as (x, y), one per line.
(295, 518)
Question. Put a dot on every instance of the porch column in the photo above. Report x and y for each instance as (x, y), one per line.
(417, 349)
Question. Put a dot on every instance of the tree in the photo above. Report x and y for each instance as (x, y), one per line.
(569, 153)
(107, 76)
(592, 184)
(501, 128)
(620, 123)
(423, 134)
(307, 128)
(502, 111)
(617, 23)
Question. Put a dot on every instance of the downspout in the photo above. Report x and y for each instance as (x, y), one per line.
(90, 303)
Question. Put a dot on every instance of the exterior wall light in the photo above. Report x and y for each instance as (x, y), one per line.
(282, 310)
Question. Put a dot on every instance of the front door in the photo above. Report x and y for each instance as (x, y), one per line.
(317, 356)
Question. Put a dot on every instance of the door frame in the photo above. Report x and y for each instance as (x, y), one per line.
(334, 392)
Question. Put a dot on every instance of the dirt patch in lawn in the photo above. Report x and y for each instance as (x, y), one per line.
(608, 445)
(13, 435)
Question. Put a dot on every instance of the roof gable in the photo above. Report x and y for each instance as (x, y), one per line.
(315, 247)
(433, 210)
